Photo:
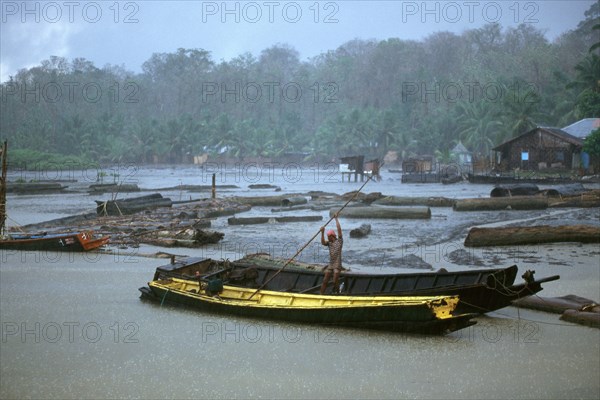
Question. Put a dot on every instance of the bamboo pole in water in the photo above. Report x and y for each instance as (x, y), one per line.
(3, 157)
(311, 239)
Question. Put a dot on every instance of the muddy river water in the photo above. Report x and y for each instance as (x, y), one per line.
(73, 325)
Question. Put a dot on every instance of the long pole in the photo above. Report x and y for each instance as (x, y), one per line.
(3, 167)
(311, 239)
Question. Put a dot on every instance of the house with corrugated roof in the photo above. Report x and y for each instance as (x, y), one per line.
(583, 128)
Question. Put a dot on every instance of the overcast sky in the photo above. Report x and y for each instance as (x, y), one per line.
(128, 32)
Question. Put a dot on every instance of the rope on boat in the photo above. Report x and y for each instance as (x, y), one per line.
(163, 298)
(18, 226)
(507, 290)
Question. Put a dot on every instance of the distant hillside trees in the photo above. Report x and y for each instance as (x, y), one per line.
(481, 87)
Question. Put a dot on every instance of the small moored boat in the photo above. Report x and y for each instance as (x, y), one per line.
(480, 291)
(75, 241)
(429, 315)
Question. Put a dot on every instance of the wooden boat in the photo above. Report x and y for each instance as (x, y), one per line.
(480, 291)
(77, 241)
(74, 241)
(430, 315)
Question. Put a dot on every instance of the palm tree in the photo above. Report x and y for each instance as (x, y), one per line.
(478, 125)
(520, 112)
(588, 84)
(588, 74)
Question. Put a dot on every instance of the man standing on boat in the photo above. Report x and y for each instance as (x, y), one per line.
(334, 243)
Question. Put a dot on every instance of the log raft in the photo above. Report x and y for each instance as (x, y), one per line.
(511, 236)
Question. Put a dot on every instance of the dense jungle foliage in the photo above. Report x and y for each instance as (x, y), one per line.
(481, 87)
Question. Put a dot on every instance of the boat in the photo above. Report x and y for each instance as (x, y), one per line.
(480, 291)
(68, 241)
(427, 315)
(74, 241)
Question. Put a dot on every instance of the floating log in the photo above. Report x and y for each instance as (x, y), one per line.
(576, 203)
(324, 206)
(34, 187)
(247, 220)
(589, 198)
(501, 203)
(133, 205)
(264, 186)
(366, 198)
(226, 211)
(556, 305)
(384, 212)
(361, 231)
(572, 189)
(319, 194)
(264, 220)
(301, 218)
(511, 236)
(516, 189)
(272, 201)
(293, 201)
(573, 308)
(113, 188)
(293, 208)
(415, 201)
(587, 318)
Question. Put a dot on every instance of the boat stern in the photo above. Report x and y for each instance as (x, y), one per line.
(444, 307)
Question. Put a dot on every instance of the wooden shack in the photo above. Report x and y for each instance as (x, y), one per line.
(539, 149)
(356, 165)
(418, 164)
(420, 169)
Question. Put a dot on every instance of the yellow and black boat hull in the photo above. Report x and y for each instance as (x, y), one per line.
(402, 314)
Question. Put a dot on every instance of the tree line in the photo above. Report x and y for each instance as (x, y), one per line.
(480, 87)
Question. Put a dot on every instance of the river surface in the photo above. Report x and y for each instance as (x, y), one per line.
(73, 325)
